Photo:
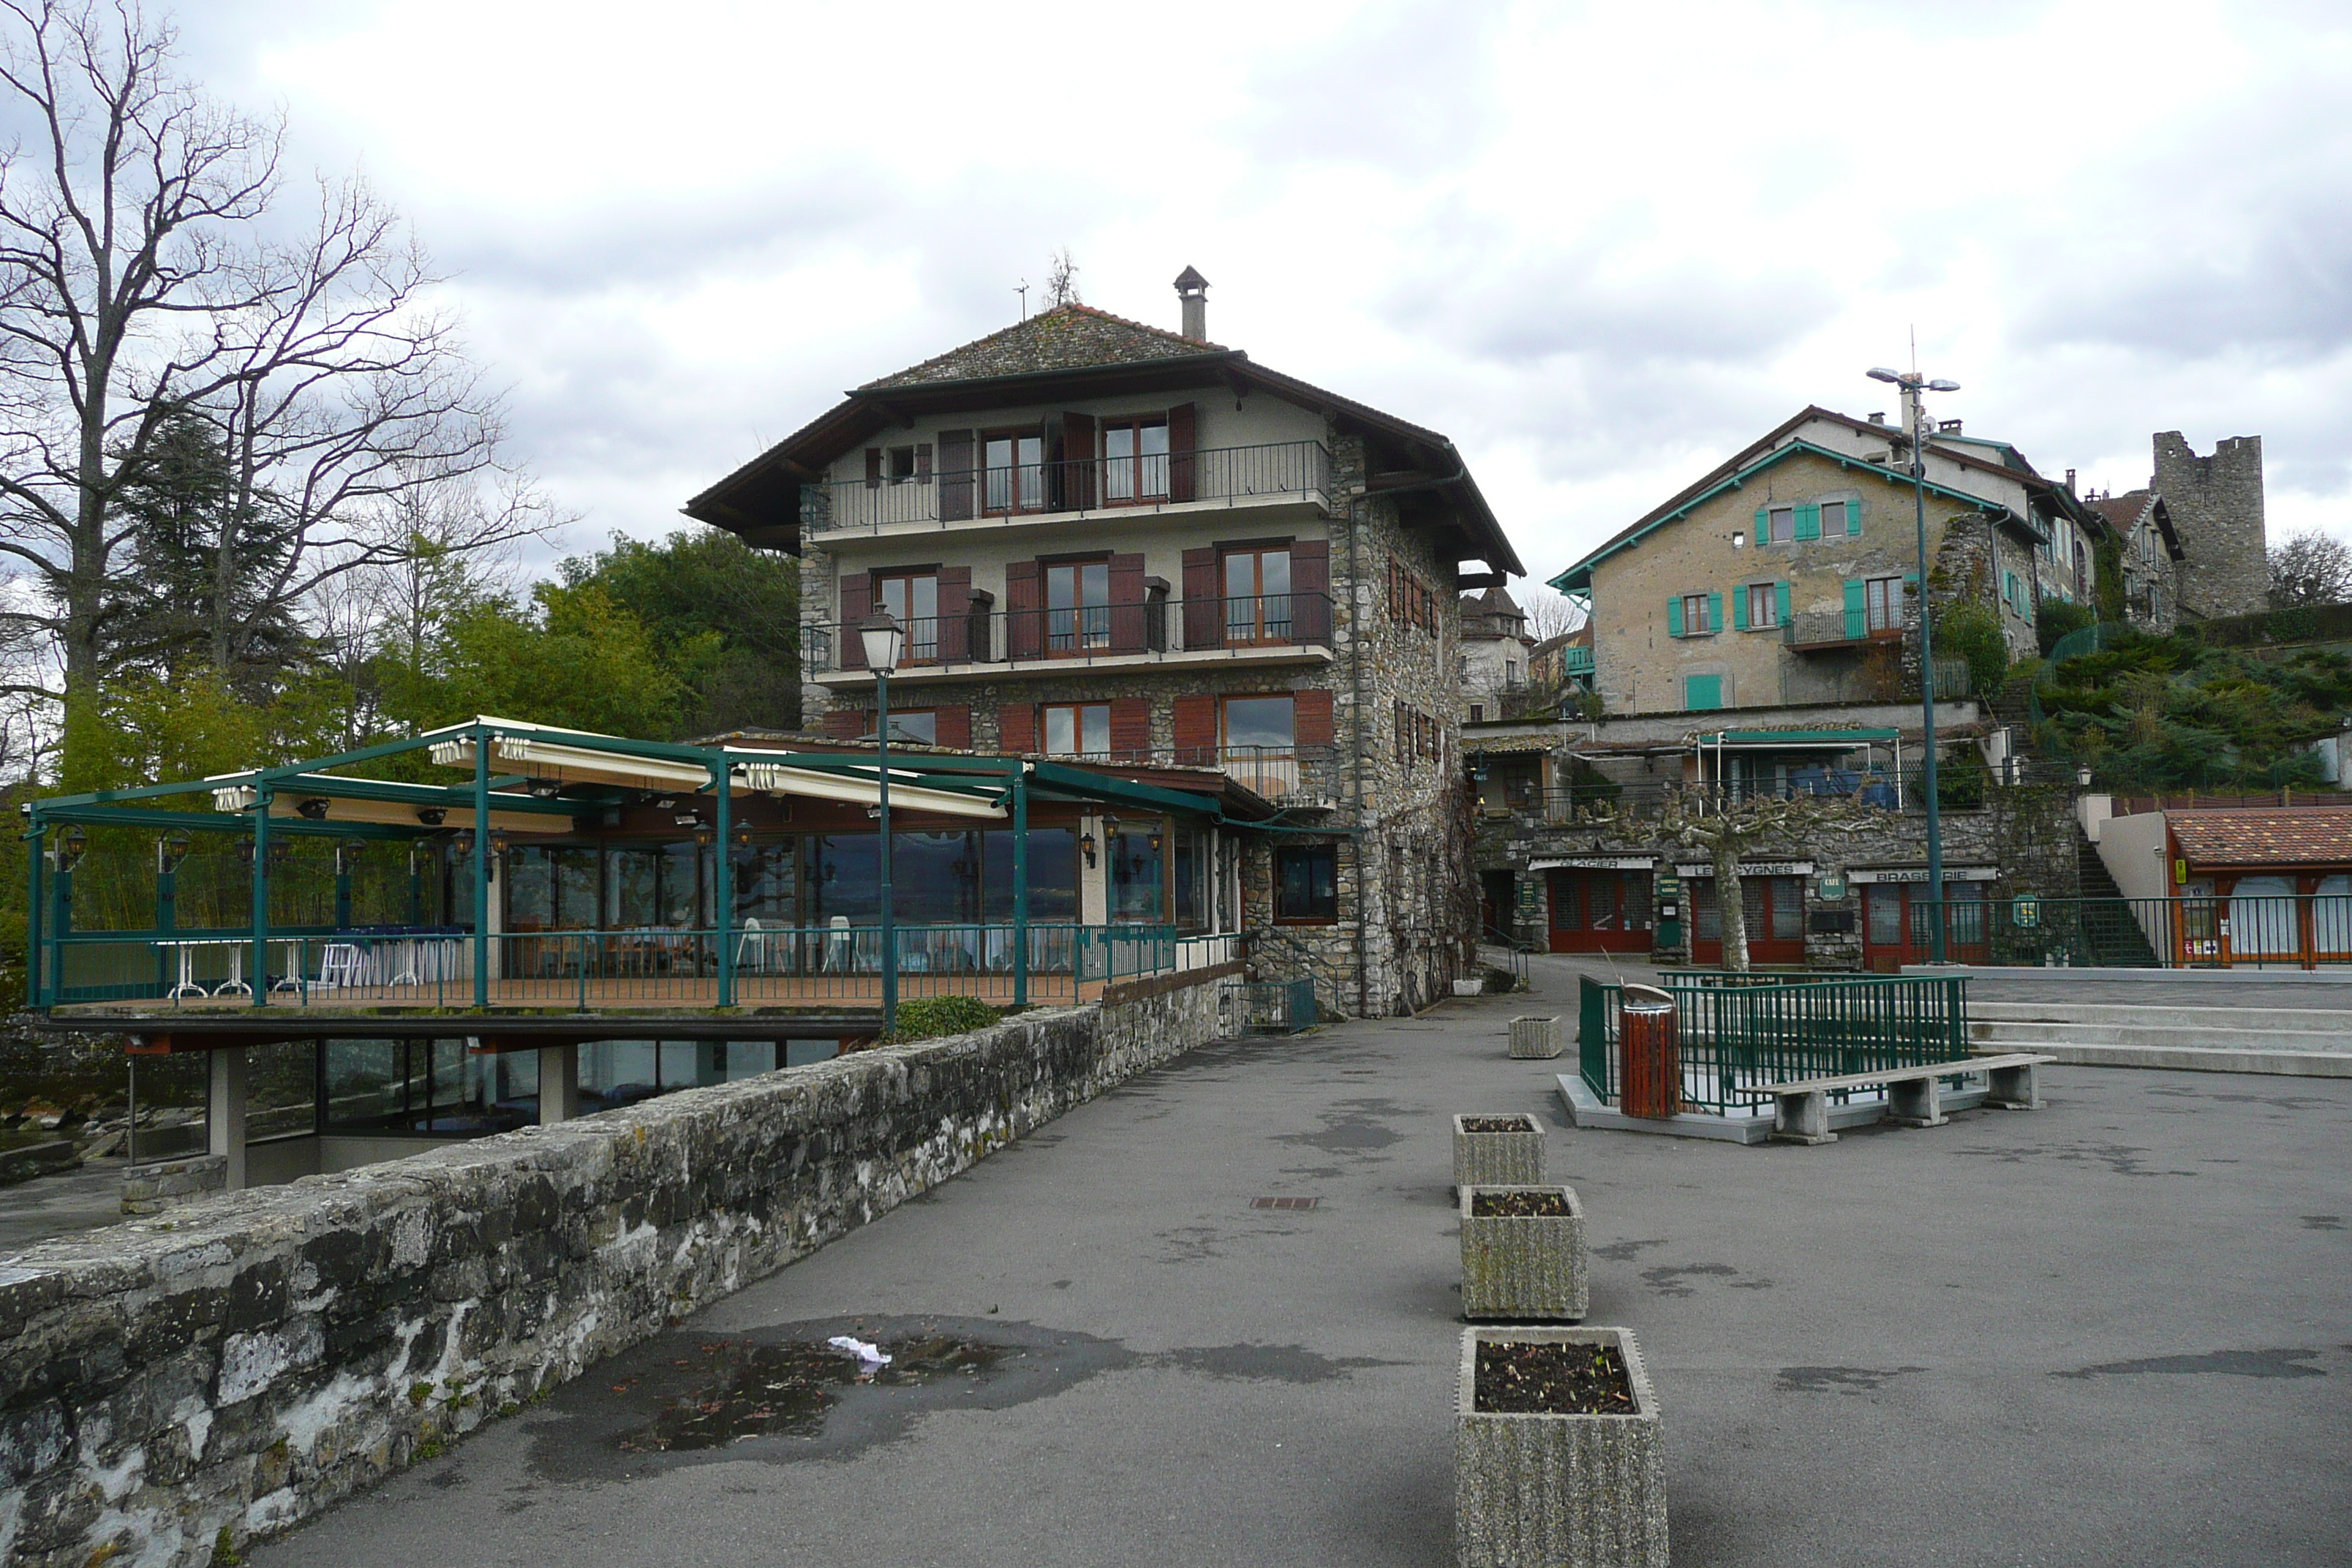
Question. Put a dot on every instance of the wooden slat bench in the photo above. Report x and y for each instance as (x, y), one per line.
(1801, 1113)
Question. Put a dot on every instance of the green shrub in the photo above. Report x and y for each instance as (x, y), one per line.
(928, 1017)
(2058, 618)
(1972, 632)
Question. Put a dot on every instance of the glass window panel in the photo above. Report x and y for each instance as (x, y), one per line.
(934, 878)
(1788, 909)
(1061, 731)
(1305, 883)
(575, 886)
(530, 888)
(1881, 908)
(997, 481)
(1137, 873)
(1832, 519)
(618, 1072)
(678, 884)
(1119, 472)
(629, 879)
(807, 1053)
(1053, 874)
(1706, 920)
(367, 1086)
(844, 877)
(764, 884)
(922, 725)
(1259, 722)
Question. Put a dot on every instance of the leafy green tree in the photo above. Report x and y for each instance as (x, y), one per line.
(1971, 631)
(571, 658)
(2166, 714)
(2061, 617)
(723, 618)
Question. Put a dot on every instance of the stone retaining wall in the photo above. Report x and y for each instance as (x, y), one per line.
(169, 1384)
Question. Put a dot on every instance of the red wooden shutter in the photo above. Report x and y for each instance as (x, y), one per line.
(955, 475)
(1016, 729)
(873, 468)
(1203, 613)
(1182, 482)
(1196, 731)
(953, 727)
(1310, 590)
(955, 614)
(846, 723)
(1025, 613)
(1130, 727)
(1078, 454)
(1126, 595)
(1310, 718)
(855, 601)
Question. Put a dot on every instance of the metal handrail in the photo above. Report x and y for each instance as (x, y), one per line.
(1016, 492)
(1077, 634)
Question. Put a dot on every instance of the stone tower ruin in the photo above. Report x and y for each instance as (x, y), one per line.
(2216, 505)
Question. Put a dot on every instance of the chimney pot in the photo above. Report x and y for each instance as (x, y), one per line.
(1879, 417)
(1193, 290)
(2070, 481)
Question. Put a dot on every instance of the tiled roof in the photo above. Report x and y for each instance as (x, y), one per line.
(2123, 511)
(1067, 336)
(2283, 837)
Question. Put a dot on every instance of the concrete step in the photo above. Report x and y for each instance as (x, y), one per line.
(2191, 1058)
(2325, 1021)
(2027, 1033)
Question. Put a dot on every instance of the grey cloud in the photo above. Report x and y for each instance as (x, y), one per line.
(1405, 88)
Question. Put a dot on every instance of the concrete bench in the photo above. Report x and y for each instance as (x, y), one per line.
(1801, 1113)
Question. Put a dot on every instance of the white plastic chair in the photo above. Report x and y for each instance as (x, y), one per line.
(838, 956)
(339, 964)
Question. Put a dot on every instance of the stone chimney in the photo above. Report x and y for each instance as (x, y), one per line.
(1193, 289)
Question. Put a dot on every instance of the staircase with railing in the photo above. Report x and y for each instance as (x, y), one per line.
(1275, 956)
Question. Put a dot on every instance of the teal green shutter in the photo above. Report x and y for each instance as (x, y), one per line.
(1808, 522)
(1780, 602)
(1715, 612)
(1702, 692)
(1674, 617)
(1763, 534)
(1740, 609)
(1854, 517)
(1855, 623)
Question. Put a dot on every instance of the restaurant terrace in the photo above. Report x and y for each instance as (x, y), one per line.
(577, 920)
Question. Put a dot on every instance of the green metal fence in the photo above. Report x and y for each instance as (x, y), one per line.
(2284, 930)
(1739, 1033)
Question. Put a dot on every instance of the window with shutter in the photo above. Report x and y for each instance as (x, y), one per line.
(1780, 604)
(1883, 596)
(951, 726)
(1701, 692)
(1675, 617)
(1808, 522)
(1135, 461)
(1077, 729)
(1780, 525)
(955, 475)
(1740, 609)
(1856, 622)
(1714, 613)
(1833, 520)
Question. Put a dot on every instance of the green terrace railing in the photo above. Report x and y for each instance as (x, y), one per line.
(1737, 1034)
(2275, 931)
(836, 963)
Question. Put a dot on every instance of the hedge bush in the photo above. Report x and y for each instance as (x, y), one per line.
(928, 1017)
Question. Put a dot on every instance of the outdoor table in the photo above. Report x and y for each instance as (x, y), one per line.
(236, 946)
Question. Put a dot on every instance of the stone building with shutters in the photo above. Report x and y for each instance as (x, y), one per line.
(1111, 541)
(1789, 572)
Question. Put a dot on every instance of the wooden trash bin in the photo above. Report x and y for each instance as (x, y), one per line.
(1648, 1064)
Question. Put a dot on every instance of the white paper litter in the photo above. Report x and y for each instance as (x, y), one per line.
(867, 1355)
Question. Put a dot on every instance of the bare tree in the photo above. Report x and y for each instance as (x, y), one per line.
(2310, 568)
(1062, 282)
(138, 289)
(1551, 614)
(1727, 823)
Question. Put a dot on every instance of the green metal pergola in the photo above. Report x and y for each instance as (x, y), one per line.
(986, 786)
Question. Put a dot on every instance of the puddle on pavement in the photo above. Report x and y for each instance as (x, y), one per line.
(783, 1394)
(743, 1389)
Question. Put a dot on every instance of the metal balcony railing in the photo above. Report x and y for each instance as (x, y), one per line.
(1230, 474)
(1087, 631)
(1827, 628)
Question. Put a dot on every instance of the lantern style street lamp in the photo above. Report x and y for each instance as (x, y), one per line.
(884, 642)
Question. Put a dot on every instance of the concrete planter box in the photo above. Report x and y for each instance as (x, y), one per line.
(1557, 1491)
(1473, 987)
(1523, 1269)
(1535, 1039)
(1509, 1158)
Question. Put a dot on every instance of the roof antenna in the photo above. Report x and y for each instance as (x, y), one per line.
(1022, 288)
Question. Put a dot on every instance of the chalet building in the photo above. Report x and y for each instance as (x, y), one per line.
(1111, 543)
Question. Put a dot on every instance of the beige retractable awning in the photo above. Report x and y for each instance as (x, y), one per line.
(238, 798)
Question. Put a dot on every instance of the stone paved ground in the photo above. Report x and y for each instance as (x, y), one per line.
(2115, 1332)
(61, 1205)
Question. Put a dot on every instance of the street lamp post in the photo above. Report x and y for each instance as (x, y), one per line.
(884, 641)
(1912, 384)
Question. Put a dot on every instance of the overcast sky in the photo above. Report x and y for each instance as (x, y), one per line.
(1598, 245)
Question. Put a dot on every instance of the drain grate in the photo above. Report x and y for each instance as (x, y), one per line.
(1284, 1202)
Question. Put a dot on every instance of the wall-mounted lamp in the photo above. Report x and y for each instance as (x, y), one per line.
(170, 850)
(313, 809)
(2083, 776)
(72, 847)
(1086, 846)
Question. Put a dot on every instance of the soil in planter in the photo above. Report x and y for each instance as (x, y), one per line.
(1551, 1379)
(1496, 1124)
(1517, 1205)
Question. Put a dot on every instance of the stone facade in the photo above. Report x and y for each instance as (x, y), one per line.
(2216, 505)
(168, 1387)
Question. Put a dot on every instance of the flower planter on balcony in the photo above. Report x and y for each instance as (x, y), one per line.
(1556, 1452)
(1490, 1150)
(1535, 1039)
(1523, 1265)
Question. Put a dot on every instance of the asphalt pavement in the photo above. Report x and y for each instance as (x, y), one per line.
(2117, 1331)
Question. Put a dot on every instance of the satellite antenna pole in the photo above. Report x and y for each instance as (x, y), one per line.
(1022, 288)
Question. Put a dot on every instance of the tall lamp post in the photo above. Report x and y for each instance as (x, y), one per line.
(1912, 384)
(884, 641)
